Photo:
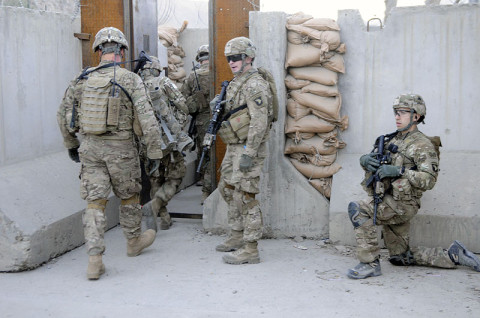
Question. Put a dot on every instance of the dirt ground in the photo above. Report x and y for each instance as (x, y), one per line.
(181, 275)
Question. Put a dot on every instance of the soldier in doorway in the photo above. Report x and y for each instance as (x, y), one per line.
(196, 90)
(167, 102)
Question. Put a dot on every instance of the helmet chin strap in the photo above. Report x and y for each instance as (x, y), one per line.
(410, 123)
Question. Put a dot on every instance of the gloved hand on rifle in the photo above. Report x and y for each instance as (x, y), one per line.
(246, 163)
(214, 101)
(389, 171)
(369, 162)
(73, 154)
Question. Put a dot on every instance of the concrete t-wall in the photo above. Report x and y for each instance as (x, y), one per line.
(39, 56)
(431, 51)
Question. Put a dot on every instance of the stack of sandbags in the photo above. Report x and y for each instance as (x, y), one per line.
(314, 59)
(168, 37)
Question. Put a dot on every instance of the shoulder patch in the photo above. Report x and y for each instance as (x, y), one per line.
(258, 101)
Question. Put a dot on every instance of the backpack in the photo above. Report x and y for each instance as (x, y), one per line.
(269, 78)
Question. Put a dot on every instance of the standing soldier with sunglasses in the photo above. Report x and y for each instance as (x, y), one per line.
(247, 119)
(411, 170)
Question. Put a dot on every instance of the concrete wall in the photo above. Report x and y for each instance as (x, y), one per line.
(190, 40)
(432, 51)
(35, 68)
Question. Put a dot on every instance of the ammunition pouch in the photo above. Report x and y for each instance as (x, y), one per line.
(402, 190)
(234, 128)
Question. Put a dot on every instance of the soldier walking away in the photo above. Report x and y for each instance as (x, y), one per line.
(400, 168)
(196, 90)
(247, 118)
(167, 178)
(107, 105)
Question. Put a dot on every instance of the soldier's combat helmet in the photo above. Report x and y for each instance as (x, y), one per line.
(411, 101)
(240, 45)
(202, 53)
(152, 67)
(110, 35)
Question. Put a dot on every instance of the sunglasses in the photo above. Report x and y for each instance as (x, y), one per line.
(400, 112)
(234, 58)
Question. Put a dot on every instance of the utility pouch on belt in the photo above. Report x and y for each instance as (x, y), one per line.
(240, 123)
(94, 104)
(113, 111)
(227, 134)
(402, 189)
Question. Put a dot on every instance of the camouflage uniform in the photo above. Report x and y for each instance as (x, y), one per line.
(110, 160)
(396, 177)
(198, 103)
(400, 204)
(167, 178)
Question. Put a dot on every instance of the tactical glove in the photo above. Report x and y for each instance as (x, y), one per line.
(369, 162)
(73, 154)
(246, 163)
(389, 171)
(213, 102)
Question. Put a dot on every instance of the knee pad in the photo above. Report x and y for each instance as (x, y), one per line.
(226, 191)
(404, 259)
(135, 199)
(356, 217)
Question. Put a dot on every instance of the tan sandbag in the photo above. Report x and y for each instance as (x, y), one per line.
(313, 172)
(341, 122)
(296, 110)
(168, 34)
(316, 160)
(298, 18)
(331, 140)
(322, 24)
(177, 50)
(180, 73)
(299, 136)
(165, 43)
(315, 74)
(320, 89)
(331, 38)
(309, 123)
(174, 59)
(313, 146)
(297, 38)
(323, 185)
(342, 49)
(301, 55)
(328, 106)
(335, 63)
(292, 83)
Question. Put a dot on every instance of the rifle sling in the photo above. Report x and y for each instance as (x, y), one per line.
(233, 111)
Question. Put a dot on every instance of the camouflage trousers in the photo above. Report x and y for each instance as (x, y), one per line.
(238, 189)
(166, 180)
(109, 165)
(395, 217)
(206, 169)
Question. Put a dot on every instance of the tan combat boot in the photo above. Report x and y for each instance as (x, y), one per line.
(165, 220)
(95, 267)
(233, 242)
(136, 245)
(248, 254)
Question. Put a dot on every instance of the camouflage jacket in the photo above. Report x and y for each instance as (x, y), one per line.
(140, 105)
(420, 158)
(198, 100)
(251, 89)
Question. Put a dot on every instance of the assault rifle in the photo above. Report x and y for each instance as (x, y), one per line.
(384, 158)
(214, 125)
(192, 129)
(142, 60)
